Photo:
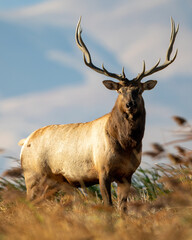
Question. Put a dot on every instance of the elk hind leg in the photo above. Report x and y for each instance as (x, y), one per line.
(32, 182)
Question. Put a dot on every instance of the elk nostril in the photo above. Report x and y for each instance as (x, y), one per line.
(129, 105)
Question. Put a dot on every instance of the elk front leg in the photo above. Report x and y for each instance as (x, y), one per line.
(105, 187)
(123, 188)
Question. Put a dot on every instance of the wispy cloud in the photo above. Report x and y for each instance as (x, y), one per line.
(64, 58)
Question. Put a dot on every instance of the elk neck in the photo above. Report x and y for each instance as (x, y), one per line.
(126, 130)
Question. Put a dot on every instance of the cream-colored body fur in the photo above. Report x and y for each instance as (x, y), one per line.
(71, 150)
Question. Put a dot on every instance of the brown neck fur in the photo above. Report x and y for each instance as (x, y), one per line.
(126, 130)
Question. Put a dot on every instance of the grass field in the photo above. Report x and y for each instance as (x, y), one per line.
(160, 205)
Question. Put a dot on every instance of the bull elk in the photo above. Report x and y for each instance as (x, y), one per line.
(102, 151)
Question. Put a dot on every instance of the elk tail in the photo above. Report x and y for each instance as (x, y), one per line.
(21, 142)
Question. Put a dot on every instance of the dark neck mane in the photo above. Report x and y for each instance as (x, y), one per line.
(126, 130)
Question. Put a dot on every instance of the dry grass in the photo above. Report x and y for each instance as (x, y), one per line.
(162, 209)
(74, 216)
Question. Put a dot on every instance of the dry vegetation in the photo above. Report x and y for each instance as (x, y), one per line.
(160, 208)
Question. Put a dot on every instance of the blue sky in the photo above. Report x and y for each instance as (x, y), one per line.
(44, 80)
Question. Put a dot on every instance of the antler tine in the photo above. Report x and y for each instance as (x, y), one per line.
(81, 44)
(172, 39)
(167, 62)
(87, 57)
(123, 72)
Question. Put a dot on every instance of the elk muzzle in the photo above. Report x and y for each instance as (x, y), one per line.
(132, 100)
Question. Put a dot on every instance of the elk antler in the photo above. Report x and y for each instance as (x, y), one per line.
(167, 62)
(87, 57)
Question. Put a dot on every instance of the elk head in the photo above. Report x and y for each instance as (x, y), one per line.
(130, 91)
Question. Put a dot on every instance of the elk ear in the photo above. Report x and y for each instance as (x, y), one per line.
(149, 84)
(111, 85)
